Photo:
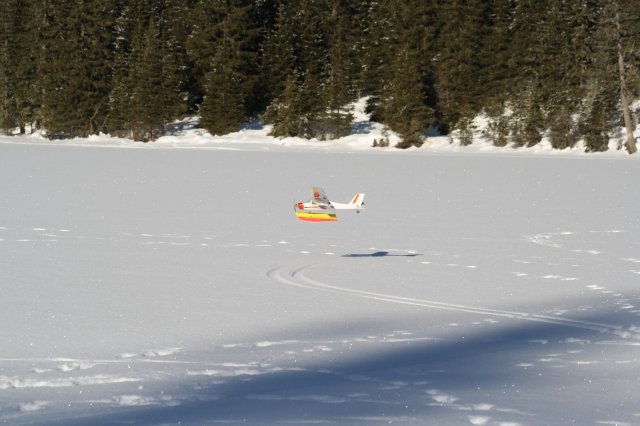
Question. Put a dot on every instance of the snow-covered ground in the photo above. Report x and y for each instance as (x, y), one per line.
(161, 285)
(255, 136)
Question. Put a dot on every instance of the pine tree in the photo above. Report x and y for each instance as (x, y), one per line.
(19, 48)
(613, 47)
(302, 38)
(176, 27)
(340, 83)
(381, 38)
(528, 118)
(313, 67)
(627, 27)
(279, 58)
(119, 116)
(224, 48)
(459, 60)
(286, 113)
(148, 85)
(148, 118)
(54, 72)
(75, 72)
(598, 117)
(223, 108)
(403, 105)
(496, 77)
(8, 107)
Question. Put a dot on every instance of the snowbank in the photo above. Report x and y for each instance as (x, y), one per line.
(254, 136)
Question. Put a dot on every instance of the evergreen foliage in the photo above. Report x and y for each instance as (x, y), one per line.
(74, 73)
(562, 69)
(403, 107)
(9, 19)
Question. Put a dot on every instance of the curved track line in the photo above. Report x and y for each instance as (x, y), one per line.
(297, 278)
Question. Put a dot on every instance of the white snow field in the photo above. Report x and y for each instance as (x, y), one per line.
(163, 286)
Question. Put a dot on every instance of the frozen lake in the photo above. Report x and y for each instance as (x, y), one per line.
(158, 286)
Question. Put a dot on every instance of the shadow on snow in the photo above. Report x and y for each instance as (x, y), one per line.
(424, 382)
(380, 254)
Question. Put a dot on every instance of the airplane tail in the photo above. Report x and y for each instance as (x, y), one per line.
(358, 200)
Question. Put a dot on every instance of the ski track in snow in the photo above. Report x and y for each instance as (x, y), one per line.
(296, 276)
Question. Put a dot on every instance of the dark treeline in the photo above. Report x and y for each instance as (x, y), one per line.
(562, 68)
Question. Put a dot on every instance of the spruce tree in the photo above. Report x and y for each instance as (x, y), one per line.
(496, 77)
(279, 58)
(119, 116)
(223, 108)
(224, 50)
(340, 83)
(381, 38)
(403, 104)
(19, 49)
(613, 48)
(147, 112)
(148, 86)
(303, 40)
(459, 60)
(286, 113)
(8, 107)
(74, 70)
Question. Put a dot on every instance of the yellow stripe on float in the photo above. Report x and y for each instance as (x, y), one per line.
(316, 216)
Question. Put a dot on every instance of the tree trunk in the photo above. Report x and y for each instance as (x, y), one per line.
(631, 143)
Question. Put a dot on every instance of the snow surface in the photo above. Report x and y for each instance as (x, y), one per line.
(161, 285)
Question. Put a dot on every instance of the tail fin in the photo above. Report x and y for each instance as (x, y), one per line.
(358, 200)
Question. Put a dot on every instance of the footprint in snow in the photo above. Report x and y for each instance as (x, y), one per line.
(161, 352)
(150, 353)
(479, 420)
(28, 407)
(595, 287)
(574, 340)
(592, 251)
(73, 366)
(441, 397)
(559, 277)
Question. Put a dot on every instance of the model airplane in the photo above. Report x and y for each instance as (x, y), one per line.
(320, 209)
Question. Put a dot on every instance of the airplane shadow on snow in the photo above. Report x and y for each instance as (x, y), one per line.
(414, 382)
(381, 254)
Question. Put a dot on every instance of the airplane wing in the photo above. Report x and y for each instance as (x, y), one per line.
(319, 195)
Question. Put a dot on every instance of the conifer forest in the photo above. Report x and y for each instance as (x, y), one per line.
(565, 69)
